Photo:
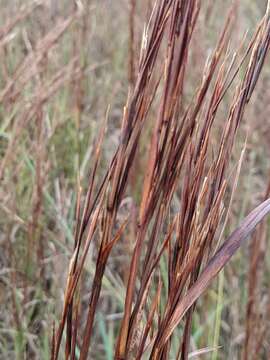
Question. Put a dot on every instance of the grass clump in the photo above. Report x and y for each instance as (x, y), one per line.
(117, 268)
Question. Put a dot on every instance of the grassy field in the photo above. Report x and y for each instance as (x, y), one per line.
(129, 151)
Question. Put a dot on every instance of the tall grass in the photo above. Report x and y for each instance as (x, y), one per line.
(147, 215)
(181, 161)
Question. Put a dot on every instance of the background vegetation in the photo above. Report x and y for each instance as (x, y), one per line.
(66, 70)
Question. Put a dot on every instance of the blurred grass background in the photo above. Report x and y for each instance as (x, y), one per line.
(62, 65)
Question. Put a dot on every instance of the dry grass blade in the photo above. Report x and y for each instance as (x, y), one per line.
(200, 352)
(219, 260)
(104, 253)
